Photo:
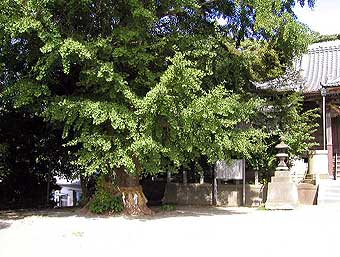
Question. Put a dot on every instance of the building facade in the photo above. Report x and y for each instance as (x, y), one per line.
(320, 69)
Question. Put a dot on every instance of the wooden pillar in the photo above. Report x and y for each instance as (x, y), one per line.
(329, 143)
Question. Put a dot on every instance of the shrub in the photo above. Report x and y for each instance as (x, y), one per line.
(106, 198)
(168, 207)
(106, 202)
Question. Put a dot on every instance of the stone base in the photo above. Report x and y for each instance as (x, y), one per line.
(282, 195)
(280, 179)
(318, 162)
(325, 176)
(307, 193)
(280, 206)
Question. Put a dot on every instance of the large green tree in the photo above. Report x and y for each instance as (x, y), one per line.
(140, 86)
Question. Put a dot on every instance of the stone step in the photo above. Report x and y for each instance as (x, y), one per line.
(329, 197)
(329, 192)
(331, 187)
(329, 180)
(281, 179)
(328, 202)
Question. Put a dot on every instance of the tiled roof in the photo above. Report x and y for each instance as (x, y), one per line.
(320, 64)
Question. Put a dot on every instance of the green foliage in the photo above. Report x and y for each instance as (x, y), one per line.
(25, 93)
(168, 207)
(294, 40)
(194, 122)
(104, 200)
(262, 208)
(284, 117)
(147, 85)
(298, 125)
(264, 63)
(318, 38)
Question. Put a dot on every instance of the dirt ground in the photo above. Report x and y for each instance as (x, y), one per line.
(188, 231)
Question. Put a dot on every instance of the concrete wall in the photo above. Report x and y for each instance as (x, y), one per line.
(201, 194)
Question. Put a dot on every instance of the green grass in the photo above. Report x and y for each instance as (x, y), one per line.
(262, 208)
(168, 207)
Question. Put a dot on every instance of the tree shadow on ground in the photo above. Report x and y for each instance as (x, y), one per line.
(4, 225)
(58, 212)
(181, 211)
(190, 211)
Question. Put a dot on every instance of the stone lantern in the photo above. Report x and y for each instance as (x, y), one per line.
(282, 192)
(282, 156)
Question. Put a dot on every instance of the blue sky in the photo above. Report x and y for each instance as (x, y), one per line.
(324, 18)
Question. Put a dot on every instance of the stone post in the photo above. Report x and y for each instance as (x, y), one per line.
(168, 177)
(201, 178)
(185, 177)
(282, 192)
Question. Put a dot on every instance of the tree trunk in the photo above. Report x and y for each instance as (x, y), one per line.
(84, 189)
(134, 199)
(48, 187)
(214, 186)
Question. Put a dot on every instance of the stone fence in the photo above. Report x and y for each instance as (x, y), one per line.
(201, 194)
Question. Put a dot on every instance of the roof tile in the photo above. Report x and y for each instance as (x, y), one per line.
(321, 64)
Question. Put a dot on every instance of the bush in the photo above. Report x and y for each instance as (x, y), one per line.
(106, 202)
(106, 198)
(168, 207)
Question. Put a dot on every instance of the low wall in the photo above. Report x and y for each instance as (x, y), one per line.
(201, 194)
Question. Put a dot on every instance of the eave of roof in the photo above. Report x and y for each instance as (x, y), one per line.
(320, 66)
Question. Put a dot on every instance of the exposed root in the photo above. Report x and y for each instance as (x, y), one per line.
(134, 201)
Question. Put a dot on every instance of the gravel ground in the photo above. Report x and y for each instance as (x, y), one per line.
(188, 231)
